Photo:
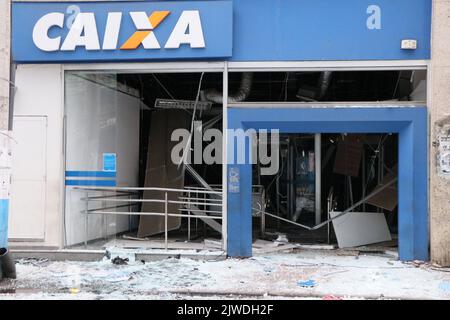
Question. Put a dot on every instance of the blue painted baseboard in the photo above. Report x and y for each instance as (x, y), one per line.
(4, 205)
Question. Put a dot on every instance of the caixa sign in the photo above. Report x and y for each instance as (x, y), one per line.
(127, 31)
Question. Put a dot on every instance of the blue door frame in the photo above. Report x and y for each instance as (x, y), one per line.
(410, 122)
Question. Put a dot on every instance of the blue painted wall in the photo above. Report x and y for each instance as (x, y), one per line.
(264, 30)
(329, 30)
(409, 122)
(4, 205)
(91, 178)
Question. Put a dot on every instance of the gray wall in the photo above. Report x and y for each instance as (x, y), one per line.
(4, 62)
(439, 107)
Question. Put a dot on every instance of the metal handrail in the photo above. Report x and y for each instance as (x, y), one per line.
(200, 210)
(186, 190)
(157, 201)
(118, 213)
(112, 195)
(184, 200)
(111, 207)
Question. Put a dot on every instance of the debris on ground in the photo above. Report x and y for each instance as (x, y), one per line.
(307, 284)
(331, 297)
(282, 238)
(120, 261)
(445, 286)
(312, 274)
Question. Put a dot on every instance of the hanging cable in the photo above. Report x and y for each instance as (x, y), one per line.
(183, 158)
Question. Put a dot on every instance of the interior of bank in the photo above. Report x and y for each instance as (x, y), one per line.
(143, 160)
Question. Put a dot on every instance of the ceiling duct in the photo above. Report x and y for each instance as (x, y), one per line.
(312, 94)
(241, 94)
(324, 83)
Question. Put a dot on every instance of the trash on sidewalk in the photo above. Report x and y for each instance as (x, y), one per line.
(307, 284)
(279, 245)
(282, 238)
(331, 297)
(445, 286)
(120, 261)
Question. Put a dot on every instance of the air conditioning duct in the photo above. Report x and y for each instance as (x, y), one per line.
(241, 94)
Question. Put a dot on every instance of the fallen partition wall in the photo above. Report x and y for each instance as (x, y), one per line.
(161, 171)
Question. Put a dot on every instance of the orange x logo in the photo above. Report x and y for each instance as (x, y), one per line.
(145, 25)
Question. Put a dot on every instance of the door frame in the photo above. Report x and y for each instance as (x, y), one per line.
(39, 239)
(408, 120)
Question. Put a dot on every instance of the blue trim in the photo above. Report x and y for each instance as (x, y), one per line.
(4, 207)
(96, 183)
(100, 174)
(250, 30)
(409, 122)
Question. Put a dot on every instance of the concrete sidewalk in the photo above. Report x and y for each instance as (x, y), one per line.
(305, 274)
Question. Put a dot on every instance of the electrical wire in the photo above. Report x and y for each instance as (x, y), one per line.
(183, 158)
(162, 86)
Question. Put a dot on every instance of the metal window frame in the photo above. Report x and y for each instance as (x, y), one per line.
(226, 67)
(157, 67)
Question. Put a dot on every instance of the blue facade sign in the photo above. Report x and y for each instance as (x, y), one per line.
(124, 31)
(239, 30)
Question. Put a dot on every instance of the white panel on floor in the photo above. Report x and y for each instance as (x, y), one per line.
(360, 228)
(28, 181)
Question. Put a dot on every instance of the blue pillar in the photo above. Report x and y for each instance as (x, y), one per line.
(421, 186)
(239, 213)
(239, 180)
(413, 189)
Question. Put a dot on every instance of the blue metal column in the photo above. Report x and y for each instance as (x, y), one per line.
(413, 189)
(239, 215)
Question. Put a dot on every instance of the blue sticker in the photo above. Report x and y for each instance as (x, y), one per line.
(109, 162)
(234, 180)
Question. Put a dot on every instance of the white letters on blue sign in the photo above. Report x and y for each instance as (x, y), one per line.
(83, 31)
(374, 20)
(40, 31)
(142, 22)
(189, 21)
(112, 30)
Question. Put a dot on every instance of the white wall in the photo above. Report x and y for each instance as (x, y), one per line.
(39, 93)
(99, 120)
